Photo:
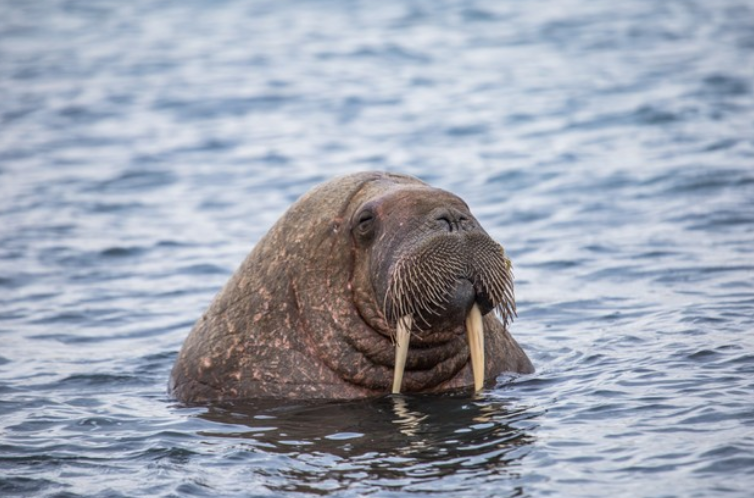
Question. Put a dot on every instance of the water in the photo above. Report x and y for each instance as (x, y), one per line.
(145, 146)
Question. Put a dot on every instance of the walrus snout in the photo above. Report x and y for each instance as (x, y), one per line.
(443, 282)
(438, 278)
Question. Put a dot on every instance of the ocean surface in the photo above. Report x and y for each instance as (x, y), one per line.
(145, 146)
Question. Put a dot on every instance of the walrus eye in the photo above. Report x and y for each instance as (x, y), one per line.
(365, 223)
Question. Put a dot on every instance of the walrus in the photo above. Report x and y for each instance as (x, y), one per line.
(371, 283)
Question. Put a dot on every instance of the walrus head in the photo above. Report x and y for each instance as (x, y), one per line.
(425, 273)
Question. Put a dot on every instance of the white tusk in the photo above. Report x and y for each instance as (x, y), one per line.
(475, 333)
(402, 335)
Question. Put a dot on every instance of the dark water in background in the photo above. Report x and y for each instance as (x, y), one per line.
(145, 146)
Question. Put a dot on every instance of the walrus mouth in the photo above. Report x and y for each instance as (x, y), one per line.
(423, 290)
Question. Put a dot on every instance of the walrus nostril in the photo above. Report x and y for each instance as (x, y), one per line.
(465, 224)
(449, 219)
(445, 222)
(452, 220)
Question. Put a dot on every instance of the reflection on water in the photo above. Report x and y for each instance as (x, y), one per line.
(393, 442)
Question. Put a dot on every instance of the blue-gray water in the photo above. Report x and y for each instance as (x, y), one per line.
(146, 145)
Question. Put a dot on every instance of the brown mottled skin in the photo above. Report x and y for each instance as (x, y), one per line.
(302, 317)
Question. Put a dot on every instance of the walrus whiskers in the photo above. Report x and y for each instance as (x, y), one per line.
(421, 283)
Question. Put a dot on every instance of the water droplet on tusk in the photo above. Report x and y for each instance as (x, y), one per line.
(475, 334)
(402, 335)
